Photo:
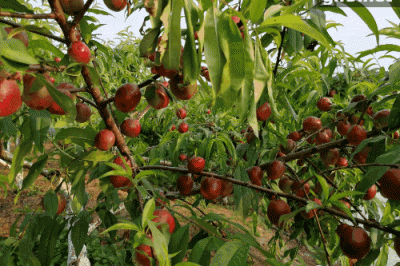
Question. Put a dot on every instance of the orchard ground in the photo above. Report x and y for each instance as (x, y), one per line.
(30, 198)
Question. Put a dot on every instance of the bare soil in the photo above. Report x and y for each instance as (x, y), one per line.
(29, 200)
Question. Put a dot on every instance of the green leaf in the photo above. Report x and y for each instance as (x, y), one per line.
(48, 239)
(35, 171)
(295, 40)
(394, 73)
(187, 264)
(46, 45)
(333, 9)
(79, 231)
(148, 212)
(338, 196)
(179, 243)
(191, 62)
(296, 23)
(15, 50)
(63, 100)
(149, 42)
(383, 47)
(172, 27)
(15, 5)
(8, 127)
(201, 252)
(125, 225)
(232, 253)
(325, 187)
(256, 9)
(366, 16)
(214, 57)
(86, 31)
(18, 159)
(394, 117)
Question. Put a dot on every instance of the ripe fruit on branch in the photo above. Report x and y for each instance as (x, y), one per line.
(356, 134)
(181, 113)
(312, 124)
(118, 180)
(300, 186)
(205, 73)
(285, 184)
(255, 174)
(331, 93)
(322, 137)
(263, 112)
(184, 184)
(79, 52)
(10, 97)
(56, 109)
(342, 162)
(330, 157)
(324, 104)
(156, 96)
(151, 6)
(22, 36)
(343, 127)
(390, 184)
(196, 165)
(354, 120)
(104, 140)
(183, 127)
(295, 136)
(164, 217)
(355, 243)
(72, 7)
(280, 154)
(361, 157)
(227, 188)
(130, 127)
(340, 230)
(62, 202)
(369, 111)
(182, 157)
(38, 100)
(180, 90)
(83, 112)
(115, 5)
(141, 258)
(359, 98)
(57, 59)
(288, 147)
(173, 127)
(381, 119)
(275, 170)
(208, 111)
(370, 193)
(310, 214)
(276, 209)
(127, 97)
(211, 188)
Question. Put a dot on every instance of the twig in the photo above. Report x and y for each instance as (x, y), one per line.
(279, 52)
(16, 25)
(27, 16)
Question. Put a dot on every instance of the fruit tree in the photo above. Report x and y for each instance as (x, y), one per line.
(192, 114)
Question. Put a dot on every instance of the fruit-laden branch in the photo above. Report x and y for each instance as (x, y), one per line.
(141, 85)
(334, 144)
(27, 16)
(51, 36)
(43, 68)
(272, 192)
